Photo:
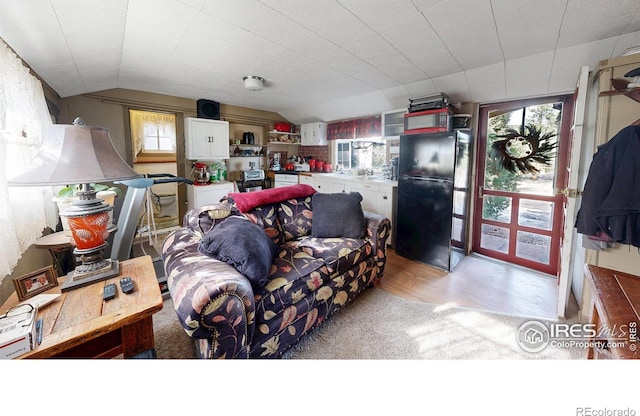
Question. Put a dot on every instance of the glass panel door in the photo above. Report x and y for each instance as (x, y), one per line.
(518, 216)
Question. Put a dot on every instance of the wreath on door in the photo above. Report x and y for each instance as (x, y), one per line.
(524, 150)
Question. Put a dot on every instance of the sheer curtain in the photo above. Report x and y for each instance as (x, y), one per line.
(145, 124)
(24, 212)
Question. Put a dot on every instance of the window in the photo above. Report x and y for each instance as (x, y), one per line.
(153, 136)
(357, 144)
(358, 154)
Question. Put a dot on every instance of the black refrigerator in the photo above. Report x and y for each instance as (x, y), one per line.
(433, 197)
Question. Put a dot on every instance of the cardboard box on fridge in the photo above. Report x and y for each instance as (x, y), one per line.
(17, 334)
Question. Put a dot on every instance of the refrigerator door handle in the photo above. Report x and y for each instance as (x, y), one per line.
(419, 178)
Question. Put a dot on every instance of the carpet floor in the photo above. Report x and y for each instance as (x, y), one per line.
(379, 325)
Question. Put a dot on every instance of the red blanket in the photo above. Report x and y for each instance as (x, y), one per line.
(246, 201)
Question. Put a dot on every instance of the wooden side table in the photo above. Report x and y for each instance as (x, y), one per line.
(61, 247)
(79, 324)
(615, 313)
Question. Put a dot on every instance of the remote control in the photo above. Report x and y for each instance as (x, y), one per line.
(109, 291)
(126, 284)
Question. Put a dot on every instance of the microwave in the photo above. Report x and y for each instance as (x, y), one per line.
(429, 121)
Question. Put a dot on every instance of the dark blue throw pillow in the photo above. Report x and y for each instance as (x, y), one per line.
(338, 215)
(242, 244)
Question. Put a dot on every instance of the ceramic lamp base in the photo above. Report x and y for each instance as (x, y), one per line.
(76, 280)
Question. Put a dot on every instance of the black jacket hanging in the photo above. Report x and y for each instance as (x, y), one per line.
(611, 196)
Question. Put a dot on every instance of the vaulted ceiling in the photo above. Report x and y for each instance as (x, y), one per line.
(321, 59)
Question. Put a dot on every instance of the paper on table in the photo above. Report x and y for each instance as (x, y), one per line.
(41, 300)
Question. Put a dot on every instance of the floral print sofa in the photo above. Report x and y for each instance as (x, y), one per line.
(309, 279)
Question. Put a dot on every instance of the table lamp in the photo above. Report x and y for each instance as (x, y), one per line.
(79, 154)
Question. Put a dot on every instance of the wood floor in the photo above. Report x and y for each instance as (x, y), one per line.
(479, 283)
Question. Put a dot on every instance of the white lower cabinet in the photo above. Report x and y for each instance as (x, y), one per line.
(379, 199)
(307, 180)
(329, 186)
(198, 196)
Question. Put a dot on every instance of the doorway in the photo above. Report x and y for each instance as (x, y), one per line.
(153, 140)
(522, 159)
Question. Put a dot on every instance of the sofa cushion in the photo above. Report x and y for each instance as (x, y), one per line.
(294, 274)
(338, 254)
(338, 215)
(242, 244)
(246, 201)
(266, 216)
(203, 219)
(295, 217)
(288, 307)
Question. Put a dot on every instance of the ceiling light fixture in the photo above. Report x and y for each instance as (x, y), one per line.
(253, 83)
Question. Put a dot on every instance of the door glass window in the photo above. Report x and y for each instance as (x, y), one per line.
(522, 149)
(534, 247)
(497, 208)
(535, 214)
(495, 238)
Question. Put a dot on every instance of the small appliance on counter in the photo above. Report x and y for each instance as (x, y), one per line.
(429, 102)
(283, 127)
(201, 175)
(274, 165)
(248, 138)
(253, 175)
(301, 167)
(394, 169)
(428, 121)
(252, 180)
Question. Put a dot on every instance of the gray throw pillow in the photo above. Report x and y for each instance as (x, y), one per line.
(338, 215)
(242, 244)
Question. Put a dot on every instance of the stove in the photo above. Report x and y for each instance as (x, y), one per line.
(285, 178)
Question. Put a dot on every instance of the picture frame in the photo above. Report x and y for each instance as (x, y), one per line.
(36, 282)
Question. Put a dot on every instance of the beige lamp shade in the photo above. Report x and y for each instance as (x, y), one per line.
(73, 154)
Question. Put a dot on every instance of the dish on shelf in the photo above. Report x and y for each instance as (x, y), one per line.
(283, 138)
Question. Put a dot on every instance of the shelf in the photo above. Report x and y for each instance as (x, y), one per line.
(285, 143)
(633, 93)
(284, 132)
(231, 156)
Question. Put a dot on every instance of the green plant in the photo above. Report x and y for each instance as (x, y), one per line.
(70, 191)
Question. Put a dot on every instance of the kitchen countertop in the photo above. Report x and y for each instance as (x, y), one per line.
(342, 176)
(287, 172)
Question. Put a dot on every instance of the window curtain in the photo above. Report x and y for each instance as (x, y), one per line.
(360, 128)
(368, 127)
(145, 124)
(24, 211)
(340, 130)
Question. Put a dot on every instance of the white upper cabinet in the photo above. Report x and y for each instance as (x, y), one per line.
(313, 134)
(393, 123)
(206, 139)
